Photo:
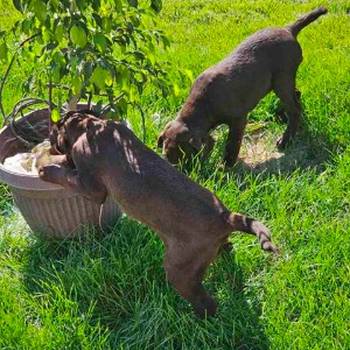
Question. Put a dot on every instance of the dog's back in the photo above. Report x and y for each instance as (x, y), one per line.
(192, 222)
(234, 86)
(151, 190)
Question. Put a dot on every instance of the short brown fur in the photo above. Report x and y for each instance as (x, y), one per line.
(190, 220)
(227, 92)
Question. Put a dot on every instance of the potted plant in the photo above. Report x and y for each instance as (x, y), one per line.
(97, 51)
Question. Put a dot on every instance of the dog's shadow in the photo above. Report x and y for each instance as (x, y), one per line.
(239, 304)
(303, 153)
(121, 275)
(259, 156)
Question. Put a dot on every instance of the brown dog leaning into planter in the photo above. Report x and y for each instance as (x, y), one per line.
(191, 221)
(225, 93)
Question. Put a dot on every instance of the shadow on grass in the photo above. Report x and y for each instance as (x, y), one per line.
(304, 153)
(239, 305)
(118, 280)
(259, 156)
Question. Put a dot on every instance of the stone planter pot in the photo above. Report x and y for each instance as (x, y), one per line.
(48, 208)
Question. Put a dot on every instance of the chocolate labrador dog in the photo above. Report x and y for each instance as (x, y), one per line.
(106, 157)
(225, 93)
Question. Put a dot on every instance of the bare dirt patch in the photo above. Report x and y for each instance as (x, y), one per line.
(259, 151)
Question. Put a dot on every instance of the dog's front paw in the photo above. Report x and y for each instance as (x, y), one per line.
(271, 248)
(282, 143)
(229, 162)
(206, 307)
(51, 173)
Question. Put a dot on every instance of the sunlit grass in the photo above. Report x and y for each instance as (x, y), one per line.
(110, 291)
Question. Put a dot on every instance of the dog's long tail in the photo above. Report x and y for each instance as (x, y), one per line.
(239, 222)
(305, 20)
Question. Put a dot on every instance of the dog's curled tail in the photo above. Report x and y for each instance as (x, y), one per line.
(239, 222)
(305, 20)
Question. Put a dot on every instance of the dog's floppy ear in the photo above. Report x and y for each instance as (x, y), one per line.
(90, 128)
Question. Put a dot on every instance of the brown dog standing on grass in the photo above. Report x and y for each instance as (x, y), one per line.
(193, 223)
(225, 93)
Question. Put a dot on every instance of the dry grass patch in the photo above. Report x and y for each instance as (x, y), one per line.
(259, 152)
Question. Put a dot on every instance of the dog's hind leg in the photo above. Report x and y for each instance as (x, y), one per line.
(281, 114)
(185, 268)
(284, 87)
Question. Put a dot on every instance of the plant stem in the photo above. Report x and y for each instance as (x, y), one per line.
(50, 102)
(144, 131)
(89, 100)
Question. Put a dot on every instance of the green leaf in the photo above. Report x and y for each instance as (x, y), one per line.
(96, 4)
(122, 77)
(26, 26)
(59, 33)
(58, 64)
(3, 52)
(82, 4)
(78, 36)
(132, 93)
(97, 19)
(100, 42)
(118, 5)
(101, 77)
(40, 10)
(133, 3)
(112, 115)
(98, 46)
(46, 35)
(176, 89)
(76, 85)
(18, 5)
(109, 80)
(151, 58)
(156, 5)
(122, 106)
(107, 24)
(55, 115)
(189, 74)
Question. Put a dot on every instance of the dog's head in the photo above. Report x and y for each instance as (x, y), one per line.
(67, 130)
(179, 142)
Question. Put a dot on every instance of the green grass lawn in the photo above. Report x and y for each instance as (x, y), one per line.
(110, 292)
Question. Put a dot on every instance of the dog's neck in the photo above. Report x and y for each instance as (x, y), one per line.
(195, 119)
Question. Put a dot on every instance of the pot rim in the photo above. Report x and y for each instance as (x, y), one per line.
(25, 181)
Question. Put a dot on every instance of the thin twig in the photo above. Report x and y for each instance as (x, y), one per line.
(109, 105)
(4, 78)
(89, 100)
(25, 103)
(18, 108)
(144, 131)
(50, 102)
(50, 95)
